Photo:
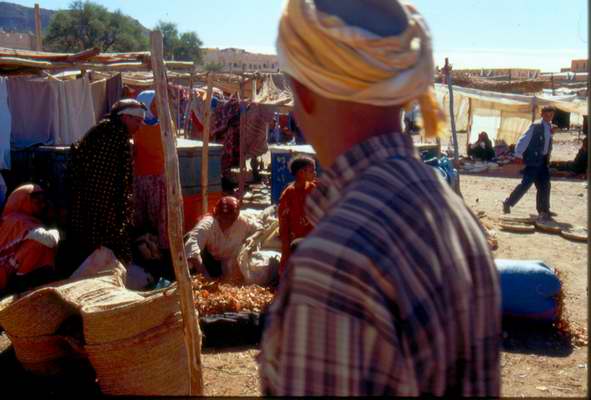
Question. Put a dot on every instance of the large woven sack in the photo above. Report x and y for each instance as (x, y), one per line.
(153, 363)
(33, 319)
(36, 314)
(111, 322)
(46, 355)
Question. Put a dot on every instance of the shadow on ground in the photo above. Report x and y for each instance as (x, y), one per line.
(537, 338)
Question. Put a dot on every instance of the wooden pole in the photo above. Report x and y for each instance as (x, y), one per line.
(447, 70)
(38, 37)
(470, 119)
(534, 107)
(188, 108)
(242, 141)
(174, 206)
(205, 148)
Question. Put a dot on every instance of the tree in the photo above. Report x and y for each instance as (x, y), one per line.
(86, 24)
(180, 47)
(213, 67)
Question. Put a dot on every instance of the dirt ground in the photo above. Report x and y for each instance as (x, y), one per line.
(536, 361)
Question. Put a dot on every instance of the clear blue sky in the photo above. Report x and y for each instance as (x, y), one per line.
(472, 33)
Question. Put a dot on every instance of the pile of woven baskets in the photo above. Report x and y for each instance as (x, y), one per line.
(134, 341)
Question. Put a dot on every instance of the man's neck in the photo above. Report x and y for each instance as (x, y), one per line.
(348, 131)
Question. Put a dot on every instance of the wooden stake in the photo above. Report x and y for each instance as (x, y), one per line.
(452, 119)
(243, 124)
(38, 37)
(470, 120)
(188, 108)
(174, 206)
(447, 70)
(205, 148)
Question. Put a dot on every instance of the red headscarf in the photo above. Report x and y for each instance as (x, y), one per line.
(226, 206)
(17, 217)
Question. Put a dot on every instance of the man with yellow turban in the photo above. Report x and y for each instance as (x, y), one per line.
(395, 291)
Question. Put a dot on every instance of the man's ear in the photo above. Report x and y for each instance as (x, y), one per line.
(305, 96)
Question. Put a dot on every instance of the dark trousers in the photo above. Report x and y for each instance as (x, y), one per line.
(213, 266)
(539, 176)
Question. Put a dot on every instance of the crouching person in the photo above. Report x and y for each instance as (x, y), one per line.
(27, 249)
(212, 247)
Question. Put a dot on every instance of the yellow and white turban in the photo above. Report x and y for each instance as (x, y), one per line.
(349, 63)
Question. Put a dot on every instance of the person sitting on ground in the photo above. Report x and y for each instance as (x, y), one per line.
(213, 245)
(576, 167)
(293, 223)
(482, 149)
(27, 249)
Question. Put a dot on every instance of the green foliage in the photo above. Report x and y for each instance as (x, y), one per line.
(86, 24)
(213, 67)
(180, 47)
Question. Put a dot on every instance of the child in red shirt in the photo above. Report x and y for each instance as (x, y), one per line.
(293, 223)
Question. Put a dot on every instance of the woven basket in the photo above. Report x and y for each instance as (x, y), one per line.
(32, 320)
(41, 311)
(46, 355)
(111, 322)
(151, 363)
(37, 314)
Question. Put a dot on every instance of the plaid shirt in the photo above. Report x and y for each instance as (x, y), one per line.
(395, 291)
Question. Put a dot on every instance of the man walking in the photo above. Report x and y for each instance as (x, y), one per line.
(395, 291)
(534, 148)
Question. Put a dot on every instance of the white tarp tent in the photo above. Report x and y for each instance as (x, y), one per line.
(503, 116)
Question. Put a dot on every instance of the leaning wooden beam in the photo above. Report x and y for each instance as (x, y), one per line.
(205, 149)
(90, 54)
(174, 208)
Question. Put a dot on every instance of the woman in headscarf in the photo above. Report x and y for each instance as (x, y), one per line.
(101, 185)
(149, 182)
(27, 249)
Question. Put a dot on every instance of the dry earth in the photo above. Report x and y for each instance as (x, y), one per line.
(536, 361)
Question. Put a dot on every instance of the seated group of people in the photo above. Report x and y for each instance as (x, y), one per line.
(106, 212)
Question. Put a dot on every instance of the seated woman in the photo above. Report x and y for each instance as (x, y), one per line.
(482, 149)
(27, 249)
(212, 247)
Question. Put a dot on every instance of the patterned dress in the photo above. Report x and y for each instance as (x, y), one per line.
(101, 191)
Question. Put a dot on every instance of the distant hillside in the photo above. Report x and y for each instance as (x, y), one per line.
(17, 18)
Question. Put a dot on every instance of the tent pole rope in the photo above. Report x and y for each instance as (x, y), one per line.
(192, 332)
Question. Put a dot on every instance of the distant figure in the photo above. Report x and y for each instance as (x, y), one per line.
(576, 167)
(482, 149)
(27, 249)
(213, 245)
(101, 177)
(534, 147)
(293, 223)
